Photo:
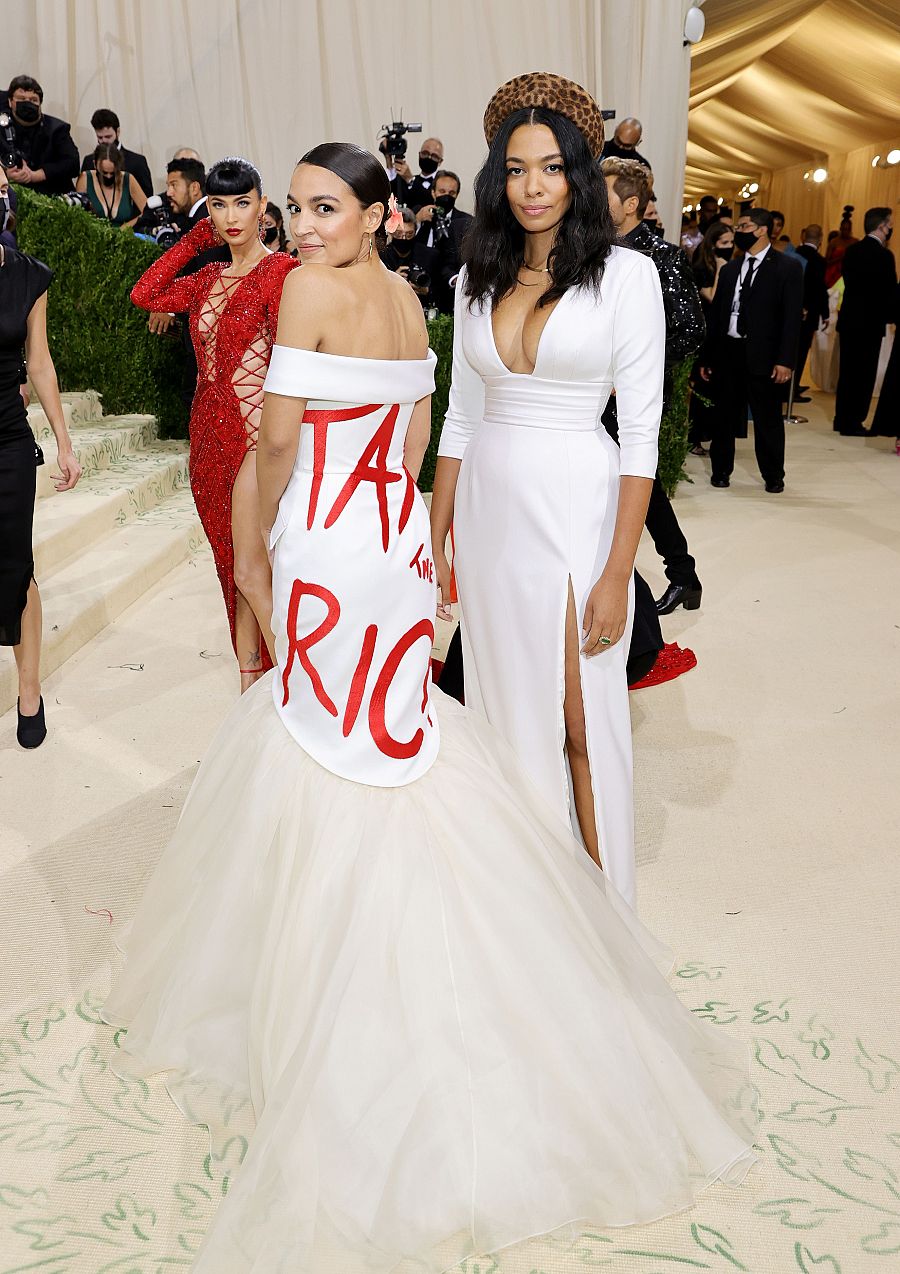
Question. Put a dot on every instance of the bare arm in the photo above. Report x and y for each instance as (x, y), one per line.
(303, 297)
(138, 198)
(418, 436)
(43, 377)
(81, 183)
(276, 451)
(443, 498)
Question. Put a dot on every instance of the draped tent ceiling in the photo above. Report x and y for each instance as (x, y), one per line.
(790, 82)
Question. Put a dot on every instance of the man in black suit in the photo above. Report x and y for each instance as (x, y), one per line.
(815, 299)
(754, 329)
(49, 156)
(416, 192)
(870, 277)
(105, 124)
(443, 226)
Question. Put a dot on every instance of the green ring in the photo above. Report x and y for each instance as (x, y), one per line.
(605, 641)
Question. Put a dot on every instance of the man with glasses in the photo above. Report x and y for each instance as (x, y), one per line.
(754, 330)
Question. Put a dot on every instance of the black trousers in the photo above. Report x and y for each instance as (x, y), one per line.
(856, 377)
(808, 329)
(669, 538)
(739, 389)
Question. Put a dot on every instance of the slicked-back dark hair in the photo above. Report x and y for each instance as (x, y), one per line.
(190, 169)
(495, 245)
(759, 217)
(233, 176)
(361, 171)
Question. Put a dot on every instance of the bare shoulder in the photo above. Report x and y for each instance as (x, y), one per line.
(411, 309)
(312, 283)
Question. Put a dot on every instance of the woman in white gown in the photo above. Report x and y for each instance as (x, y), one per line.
(550, 318)
(372, 955)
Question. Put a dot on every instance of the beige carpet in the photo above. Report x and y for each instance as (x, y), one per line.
(768, 814)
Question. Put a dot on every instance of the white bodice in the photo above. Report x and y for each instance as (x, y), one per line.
(353, 584)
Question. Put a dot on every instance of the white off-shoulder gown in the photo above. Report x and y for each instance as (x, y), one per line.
(373, 959)
(536, 507)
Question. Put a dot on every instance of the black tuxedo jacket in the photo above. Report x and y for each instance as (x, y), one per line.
(870, 277)
(133, 163)
(47, 145)
(772, 312)
(420, 192)
(815, 293)
(449, 253)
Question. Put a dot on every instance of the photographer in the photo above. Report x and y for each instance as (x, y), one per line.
(416, 192)
(105, 124)
(114, 194)
(443, 226)
(36, 149)
(412, 260)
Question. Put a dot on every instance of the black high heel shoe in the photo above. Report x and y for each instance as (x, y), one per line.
(32, 731)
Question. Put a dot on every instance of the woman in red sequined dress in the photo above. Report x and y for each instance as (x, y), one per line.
(232, 309)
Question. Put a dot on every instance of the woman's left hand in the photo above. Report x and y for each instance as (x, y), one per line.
(69, 470)
(605, 615)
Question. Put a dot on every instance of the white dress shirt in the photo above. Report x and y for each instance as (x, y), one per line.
(742, 274)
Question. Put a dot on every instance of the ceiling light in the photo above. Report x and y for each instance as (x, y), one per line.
(720, 201)
(753, 187)
(821, 174)
(876, 161)
(893, 157)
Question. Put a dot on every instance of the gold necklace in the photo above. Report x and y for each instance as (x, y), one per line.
(535, 269)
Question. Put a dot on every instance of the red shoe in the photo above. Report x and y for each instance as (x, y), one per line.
(671, 662)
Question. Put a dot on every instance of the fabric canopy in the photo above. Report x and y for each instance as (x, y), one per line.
(790, 82)
(270, 78)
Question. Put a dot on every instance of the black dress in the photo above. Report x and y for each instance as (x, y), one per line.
(22, 281)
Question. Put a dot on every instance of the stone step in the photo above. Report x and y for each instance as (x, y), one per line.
(70, 521)
(103, 446)
(99, 584)
(79, 409)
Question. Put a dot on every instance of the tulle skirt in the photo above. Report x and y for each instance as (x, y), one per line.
(419, 1015)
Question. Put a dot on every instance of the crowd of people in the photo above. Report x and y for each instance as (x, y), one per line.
(358, 849)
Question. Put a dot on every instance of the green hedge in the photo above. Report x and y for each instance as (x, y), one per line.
(100, 340)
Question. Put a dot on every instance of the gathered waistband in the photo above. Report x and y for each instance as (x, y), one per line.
(542, 404)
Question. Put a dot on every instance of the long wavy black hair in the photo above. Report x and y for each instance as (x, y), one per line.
(495, 244)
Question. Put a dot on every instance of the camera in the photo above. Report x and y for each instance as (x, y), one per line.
(158, 223)
(77, 199)
(440, 226)
(10, 155)
(393, 138)
(417, 277)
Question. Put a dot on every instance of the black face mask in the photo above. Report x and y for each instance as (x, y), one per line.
(270, 234)
(427, 165)
(888, 235)
(447, 202)
(27, 112)
(403, 247)
(725, 253)
(744, 240)
(107, 180)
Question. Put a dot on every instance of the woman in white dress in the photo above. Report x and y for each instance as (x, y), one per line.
(546, 510)
(372, 955)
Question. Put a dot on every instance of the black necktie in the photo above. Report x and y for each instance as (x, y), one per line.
(742, 303)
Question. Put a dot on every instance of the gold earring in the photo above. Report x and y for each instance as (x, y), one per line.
(371, 247)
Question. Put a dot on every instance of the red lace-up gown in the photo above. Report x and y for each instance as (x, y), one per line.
(233, 321)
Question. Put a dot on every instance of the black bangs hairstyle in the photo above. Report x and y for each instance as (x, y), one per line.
(362, 172)
(233, 176)
(495, 244)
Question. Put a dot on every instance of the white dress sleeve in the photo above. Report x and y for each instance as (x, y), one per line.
(465, 409)
(639, 346)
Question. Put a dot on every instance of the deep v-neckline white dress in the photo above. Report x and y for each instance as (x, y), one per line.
(373, 959)
(536, 506)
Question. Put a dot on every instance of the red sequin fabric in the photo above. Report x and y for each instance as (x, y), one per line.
(233, 321)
